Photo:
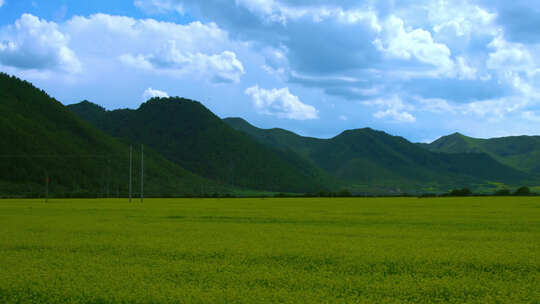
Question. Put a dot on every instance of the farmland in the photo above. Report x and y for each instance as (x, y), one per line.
(312, 250)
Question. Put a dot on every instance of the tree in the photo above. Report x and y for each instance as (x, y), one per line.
(503, 192)
(461, 192)
(344, 193)
(523, 191)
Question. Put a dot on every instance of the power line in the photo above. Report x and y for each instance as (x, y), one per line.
(57, 156)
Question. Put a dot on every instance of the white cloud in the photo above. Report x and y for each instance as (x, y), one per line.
(509, 56)
(490, 109)
(159, 6)
(269, 9)
(272, 11)
(495, 109)
(532, 116)
(460, 18)
(436, 105)
(118, 35)
(516, 68)
(276, 62)
(435, 55)
(1, 3)
(418, 44)
(37, 44)
(395, 115)
(441, 58)
(394, 108)
(151, 93)
(343, 117)
(463, 70)
(280, 103)
(202, 51)
(219, 68)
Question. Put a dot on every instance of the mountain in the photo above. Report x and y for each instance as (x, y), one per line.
(84, 150)
(42, 138)
(277, 138)
(187, 133)
(368, 157)
(520, 152)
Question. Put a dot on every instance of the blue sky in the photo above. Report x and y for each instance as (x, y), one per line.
(419, 69)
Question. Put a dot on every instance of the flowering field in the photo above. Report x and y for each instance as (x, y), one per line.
(387, 250)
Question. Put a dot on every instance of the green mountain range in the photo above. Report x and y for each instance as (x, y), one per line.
(519, 152)
(369, 159)
(187, 133)
(42, 139)
(83, 150)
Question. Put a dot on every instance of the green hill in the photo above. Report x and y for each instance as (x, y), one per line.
(41, 137)
(84, 150)
(365, 157)
(520, 152)
(278, 138)
(187, 133)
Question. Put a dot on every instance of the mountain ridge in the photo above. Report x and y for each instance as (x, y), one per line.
(42, 140)
(189, 134)
(520, 152)
(190, 150)
(365, 155)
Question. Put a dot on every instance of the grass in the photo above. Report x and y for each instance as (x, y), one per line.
(387, 250)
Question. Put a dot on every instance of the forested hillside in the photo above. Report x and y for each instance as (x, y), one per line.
(83, 150)
(41, 138)
(365, 156)
(187, 133)
(520, 152)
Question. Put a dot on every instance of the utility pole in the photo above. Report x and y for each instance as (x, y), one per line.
(142, 173)
(108, 177)
(46, 187)
(130, 169)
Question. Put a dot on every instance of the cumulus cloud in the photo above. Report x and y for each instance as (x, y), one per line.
(151, 93)
(360, 39)
(268, 9)
(460, 18)
(509, 56)
(159, 6)
(518, 19)
(436, 105)
(195, 49)
(464, 70)
(33, 43)
(393, 108)
(531, 116)
(413, 44)
(120, 35)
(219, 68)
(281, 103)
(406, 60)
(495, 109)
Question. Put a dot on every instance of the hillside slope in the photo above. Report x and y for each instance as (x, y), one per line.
(368, 157)
(520, 152)
(187, 133)
(41, 137)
